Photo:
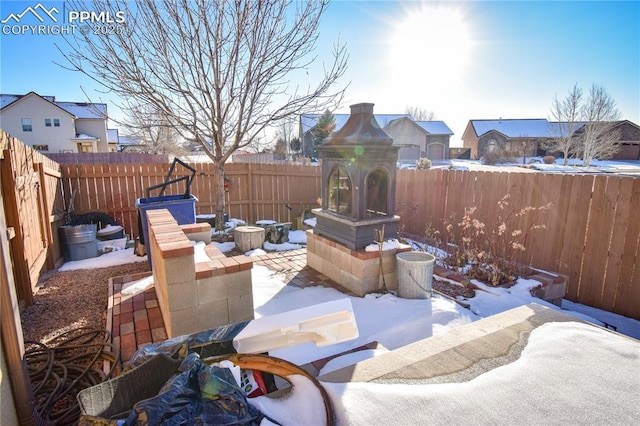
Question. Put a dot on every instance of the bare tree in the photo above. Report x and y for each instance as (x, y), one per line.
(420, 114)
(585, 126)
(525, 146)
(280, 147)
(599, 138)
(566, 115)
(220, 71)
(286, 130)
(155, 132)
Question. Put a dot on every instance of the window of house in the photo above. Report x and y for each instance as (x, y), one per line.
(47, 122)
(492, 145)
(26, 125)
(41, 147)
(56, 122)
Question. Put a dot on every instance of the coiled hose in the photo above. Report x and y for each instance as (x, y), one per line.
(63, 366)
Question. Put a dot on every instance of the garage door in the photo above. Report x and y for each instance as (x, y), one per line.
(435, 151)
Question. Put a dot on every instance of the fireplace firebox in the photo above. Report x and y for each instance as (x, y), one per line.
(358, 182)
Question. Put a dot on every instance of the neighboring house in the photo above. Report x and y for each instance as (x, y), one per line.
(308, 121)
(51, 126)
(419, 139)
(482, 136)
(629, 141)
(114, 139)
(130, 144)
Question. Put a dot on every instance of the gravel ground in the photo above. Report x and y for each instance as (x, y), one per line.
(72, 299)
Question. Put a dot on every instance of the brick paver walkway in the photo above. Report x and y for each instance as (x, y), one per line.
(136, 320)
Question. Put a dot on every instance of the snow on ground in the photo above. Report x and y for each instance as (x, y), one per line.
(271, 297)
(114, 258)
(495, 397)
(533, 164)
(554, 381)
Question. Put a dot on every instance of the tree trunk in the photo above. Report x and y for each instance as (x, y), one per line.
(218, 175)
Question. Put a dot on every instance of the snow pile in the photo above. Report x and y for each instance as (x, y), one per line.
(387, 245)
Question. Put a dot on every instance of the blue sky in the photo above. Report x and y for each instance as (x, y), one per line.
(462, 60)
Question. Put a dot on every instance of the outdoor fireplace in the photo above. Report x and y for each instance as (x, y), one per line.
(358, 182)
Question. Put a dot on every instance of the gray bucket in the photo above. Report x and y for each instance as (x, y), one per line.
(415, 274)
(77, 234)
(79, 241)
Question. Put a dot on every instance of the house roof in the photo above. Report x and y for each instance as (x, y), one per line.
(112, 135)
(513, 128)
(7, 100)
(129, 140)
(85, 137)
(430, 127)
(84, 109)
(77, 109)
(524, 128)
(435, 127)
(307, 121)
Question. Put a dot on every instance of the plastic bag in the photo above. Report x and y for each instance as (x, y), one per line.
(199, 394)
(214, 342)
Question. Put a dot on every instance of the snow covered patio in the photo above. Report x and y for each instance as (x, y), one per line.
(135, 319)
(438, 362)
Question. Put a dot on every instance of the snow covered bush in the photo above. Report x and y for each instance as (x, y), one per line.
(423, 163)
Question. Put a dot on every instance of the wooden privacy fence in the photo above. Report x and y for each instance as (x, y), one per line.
(255, 191)
(592, 229)
(592, 235)
(34, 208)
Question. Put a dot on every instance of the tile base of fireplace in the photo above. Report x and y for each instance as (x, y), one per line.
(356, 270)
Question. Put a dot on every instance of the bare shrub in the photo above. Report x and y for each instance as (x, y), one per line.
(549, 159)
(493, 256)
(423, 164)
(491, 158)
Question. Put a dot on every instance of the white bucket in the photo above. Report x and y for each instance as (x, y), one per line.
(415, 274)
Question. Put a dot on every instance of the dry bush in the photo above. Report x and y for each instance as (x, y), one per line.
(423, 164)
(492, 256)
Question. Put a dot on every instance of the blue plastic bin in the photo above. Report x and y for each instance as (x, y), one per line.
(182, 209)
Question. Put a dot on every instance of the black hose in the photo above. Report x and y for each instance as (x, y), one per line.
(63, 366)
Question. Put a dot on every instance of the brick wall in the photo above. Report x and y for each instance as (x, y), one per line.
(196, 296)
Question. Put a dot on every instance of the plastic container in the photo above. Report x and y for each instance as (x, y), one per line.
(415, 274)
(110, 232)
(210, 219)
(79, 241)
(112, 245)
(182, 209)
(324, 324)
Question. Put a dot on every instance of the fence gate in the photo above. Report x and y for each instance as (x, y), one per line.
(28, 227)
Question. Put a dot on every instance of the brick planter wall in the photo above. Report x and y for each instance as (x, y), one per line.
(196, 296)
